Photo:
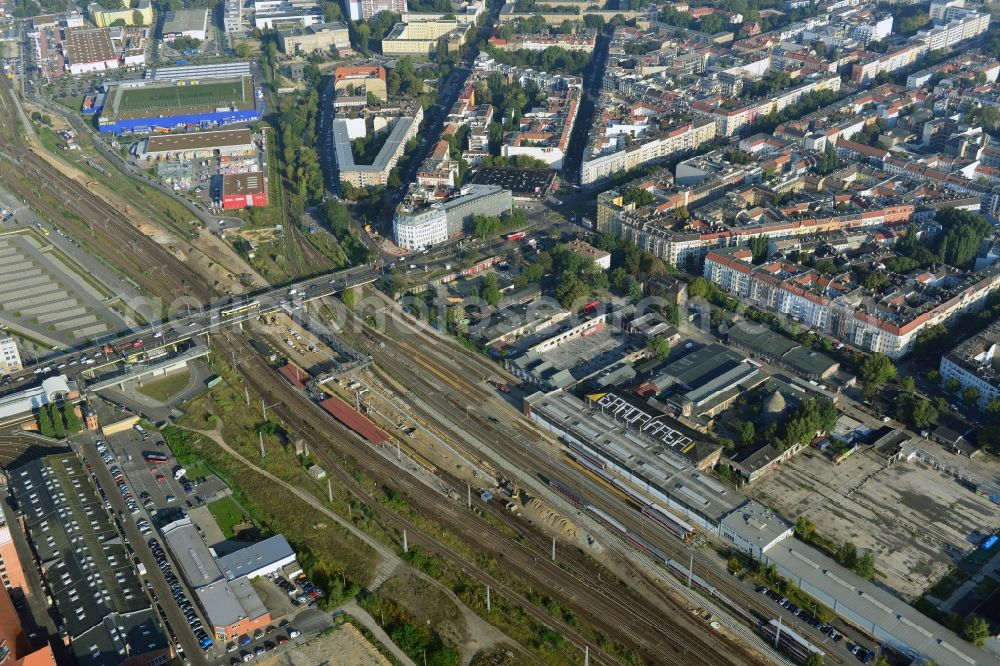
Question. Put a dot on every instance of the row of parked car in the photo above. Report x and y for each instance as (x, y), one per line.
(863, 654)
(309, 593)
(803, 614)
(245, 641)
(116, 472)
(204, 640)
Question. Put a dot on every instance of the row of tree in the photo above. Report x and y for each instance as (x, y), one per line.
(553, 59)
(56, 422)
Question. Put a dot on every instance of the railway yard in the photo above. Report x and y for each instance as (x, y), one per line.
(570, 580)
(100, 227)
(285, 450)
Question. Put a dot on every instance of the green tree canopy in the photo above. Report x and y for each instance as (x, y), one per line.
(976, 630)
(73, 424)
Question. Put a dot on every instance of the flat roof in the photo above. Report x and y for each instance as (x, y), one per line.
(865, 602)
(196, 140)
(650, 463)
(228, 602)
(185, 20)
(191, 555)
(519, 181)
(703, 365)
(85, 45)
(243, 183)
(225, 70)
(757, 524)
(345, 157)
(246, 561)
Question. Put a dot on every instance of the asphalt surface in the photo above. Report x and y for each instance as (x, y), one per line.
(197, 322)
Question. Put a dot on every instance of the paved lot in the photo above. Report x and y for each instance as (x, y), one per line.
(128, 448)
(43, 292)
(917, 520)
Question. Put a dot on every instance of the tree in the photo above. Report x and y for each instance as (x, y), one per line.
(951, 385)
(847, 555)
(660, 348)
(73, 424)
(137, 19)
(758, 245)
(570, 289)
(490, 291)
(58, 427)
(455, 314)
(865, 566)
(971, 395)
(907, 385)
(45, 421)
(976, 629)
(362, 34)
(712, 24)
(699, 288)
(748, 433)
(993, 408)
(877, 369)
(924, 415)
(829, 162)
(804, 528)
(350, 298)
(242, 50)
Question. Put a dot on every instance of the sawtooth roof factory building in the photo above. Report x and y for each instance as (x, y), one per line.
(103, 611)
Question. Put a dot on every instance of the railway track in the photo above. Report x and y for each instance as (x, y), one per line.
(613, 609)
(518, 439)
(100, 227)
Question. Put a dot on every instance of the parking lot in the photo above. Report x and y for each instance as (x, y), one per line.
(164, 491)
(153, 497)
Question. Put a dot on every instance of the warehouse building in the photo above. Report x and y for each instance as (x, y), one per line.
(197, 145)
(754, 528)
(317, 37)
(775, 348)
(260, 559)
(191, 23)
(706, 381)
(102, 607)
(867, 605)
(89, 50)
(232, 607)
(656, 467)
(243, 190)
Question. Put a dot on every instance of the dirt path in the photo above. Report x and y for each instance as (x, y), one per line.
(479, 633)
(362, 616)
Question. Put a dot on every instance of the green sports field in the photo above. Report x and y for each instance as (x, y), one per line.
(199, 97)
